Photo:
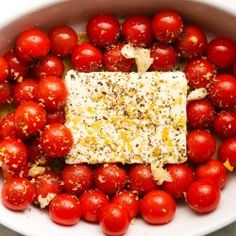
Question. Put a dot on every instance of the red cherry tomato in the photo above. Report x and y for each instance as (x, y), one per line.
(164, 57)
(234, 68)
(114, 61)
(63, 40)
(51, 92)
(86, 58)
(225, 124)
(4, 69)
(65, 209)
(167, 26)
(92, 203)
(213, 170)
(56, 140)
(17, 194)
(203, 196)
(110, 178)
(32, 44)
(45, 184)
(56, 117)
(5, 93)
(182, 176)
(8, 128)
(50, 65)
(227, 151)
(200, 114)
(30, 118)
(137, 30)
(141, 179)
(221, 52)
(25, 91)
(201, 146)
(157, 207)
(103, 30)
(223, 92)
(8, 174)
(17, 67)
(193, 42)
(77, 178)
(114, 220)
(129, 201)
(200, 73)
(13, 154)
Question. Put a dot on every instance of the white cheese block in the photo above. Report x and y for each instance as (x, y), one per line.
(127, 117)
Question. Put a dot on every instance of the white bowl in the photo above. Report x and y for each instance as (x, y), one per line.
(215, 16)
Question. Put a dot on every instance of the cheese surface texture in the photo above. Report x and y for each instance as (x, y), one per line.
(127, 117)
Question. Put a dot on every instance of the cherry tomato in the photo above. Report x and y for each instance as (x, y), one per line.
(114, 61)
(32, 44)
(86, 58)
(50, 65)
(8, 128)
(182, 176)
(234, 68)
(221, 52)
(200, 73)
(157, 207)
(56, 140)
(30, 118)
(17, 67)
(137, 30)
(51, 92)
(4, 69)
(201, 146)
(141, 179)
(167, 26)
(223, 92)
(164, 57)
(200, 114)
(213, 170)
(227, 151)
(203, 196)
(110, 178)
(25, 91)
(65, 209)
(77, 178)
(129, 201)
(56, 117)
(5, 93)
(63, 40)
(45, 184)
(114, 220)
(225, 124)
(92, 203)
(8, 173)
(103, 30)
(17, 194)
(193, 42)
(13, 154)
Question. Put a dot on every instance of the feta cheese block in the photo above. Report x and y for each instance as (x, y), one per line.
(127, 117)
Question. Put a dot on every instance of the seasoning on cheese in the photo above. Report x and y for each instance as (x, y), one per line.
(127, 117)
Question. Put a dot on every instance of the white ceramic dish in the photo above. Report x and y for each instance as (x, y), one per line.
(215, 16)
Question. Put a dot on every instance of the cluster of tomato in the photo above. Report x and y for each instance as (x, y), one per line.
(33, 136)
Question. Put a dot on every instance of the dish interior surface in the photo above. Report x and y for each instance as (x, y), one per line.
(186, 223)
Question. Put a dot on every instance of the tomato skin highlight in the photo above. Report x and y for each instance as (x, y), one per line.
(157, 207)
(182, 176)
(227, 151)
(65, 209)
(114, 220)
(103, 30)
(221, 52)
(203, 196)
(93, 202)
(213, 170)
(17, 194)
(167, 26)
